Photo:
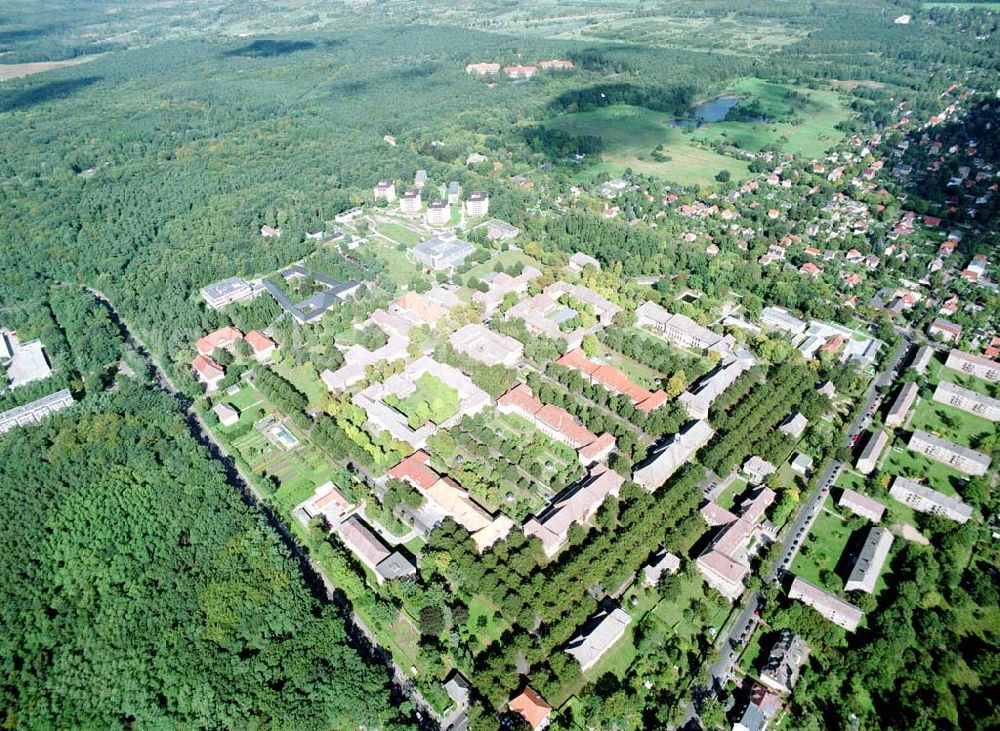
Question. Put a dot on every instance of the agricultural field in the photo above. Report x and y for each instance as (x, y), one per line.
(631, 134)
(818, 112)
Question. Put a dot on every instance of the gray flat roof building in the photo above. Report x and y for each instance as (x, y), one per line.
(926, 500)
(901, 406)
(965, 460)
(442, 253)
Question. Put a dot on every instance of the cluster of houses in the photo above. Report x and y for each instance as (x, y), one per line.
(208, 371)
(818, 337)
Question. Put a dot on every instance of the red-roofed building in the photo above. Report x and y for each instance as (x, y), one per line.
(532, 708)
(414, 470)
(209, 372)
(224, 337)
(932, 221)
(261, 345)
(833, 345)
(810, 269)
(613, 379)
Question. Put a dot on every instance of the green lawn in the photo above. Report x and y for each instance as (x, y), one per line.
(636, 371)
(505, 258)
(304, 378)
(950, 423)
(434, 401)
(246, 397)
(630, 135)
(400, 269)
(822, 548)
(728, 497)
(819, 113)
(909, 464)
(964, 6)
(399, 233)
(488, 629)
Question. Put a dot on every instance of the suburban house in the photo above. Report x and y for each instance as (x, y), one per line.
(967, 400)
(327, 502)
(209, 372)
(598, 636)
(576, 504)
(900, 409)
(758, 469)
(452, 500)
(699, 397)
(832, 607)
(532, 708)
(219, 294)
(383, 417)
(870, 455)
(386, 564)
(226, 413)
(557, 423)
(410, 202)
(224, 339)
(438, 212)
(442, 252)
(870, 561)
(488, 347)
(794, 425)
(614, 380)
(678, 329)
(269, 232)
(671, 454)
(925, 500)
(664, 562)
(477, 204)
(974, 365)
(34, 412)
(944, 329)
(784, 662)
(764, 706)
(261, 345)
(965, 460)
(862, 505)
(725, 563)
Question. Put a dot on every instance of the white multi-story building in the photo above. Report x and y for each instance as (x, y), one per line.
(385, 190)
(477, 204)
(974, 365)
(966, 400)
(901, 406)
(965, 460)
(925, 500)
(438, 212)
(410, 202)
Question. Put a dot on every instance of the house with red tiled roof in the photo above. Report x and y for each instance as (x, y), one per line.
(209, 372)
(810, 269)
(949, 307)
(532, 708)
(261, 345)
(947, 331)
(224, 337)
(833, 345)
(850, 279)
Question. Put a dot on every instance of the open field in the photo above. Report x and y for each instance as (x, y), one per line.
(819, 113)
(16, 70)
(964, 6)
(630, 135)
(399, 233)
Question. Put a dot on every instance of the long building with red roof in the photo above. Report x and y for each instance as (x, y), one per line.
(614, 380)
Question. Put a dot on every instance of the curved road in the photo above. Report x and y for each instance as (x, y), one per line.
(363, 638)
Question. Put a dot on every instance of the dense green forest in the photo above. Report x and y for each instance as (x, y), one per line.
(137, 589)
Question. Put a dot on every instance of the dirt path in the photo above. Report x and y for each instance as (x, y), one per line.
(17, 70)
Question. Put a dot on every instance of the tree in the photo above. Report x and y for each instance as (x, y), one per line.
(723, 176)
(431, 621)
(676, 384)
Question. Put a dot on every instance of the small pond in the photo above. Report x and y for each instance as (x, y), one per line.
(713, 110)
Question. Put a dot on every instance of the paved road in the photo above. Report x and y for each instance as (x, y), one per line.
(363, 637)
(731, 643)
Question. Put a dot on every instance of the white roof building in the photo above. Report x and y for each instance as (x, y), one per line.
(862, 505)
(870, 561)
(925, 500)
(487, 347)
